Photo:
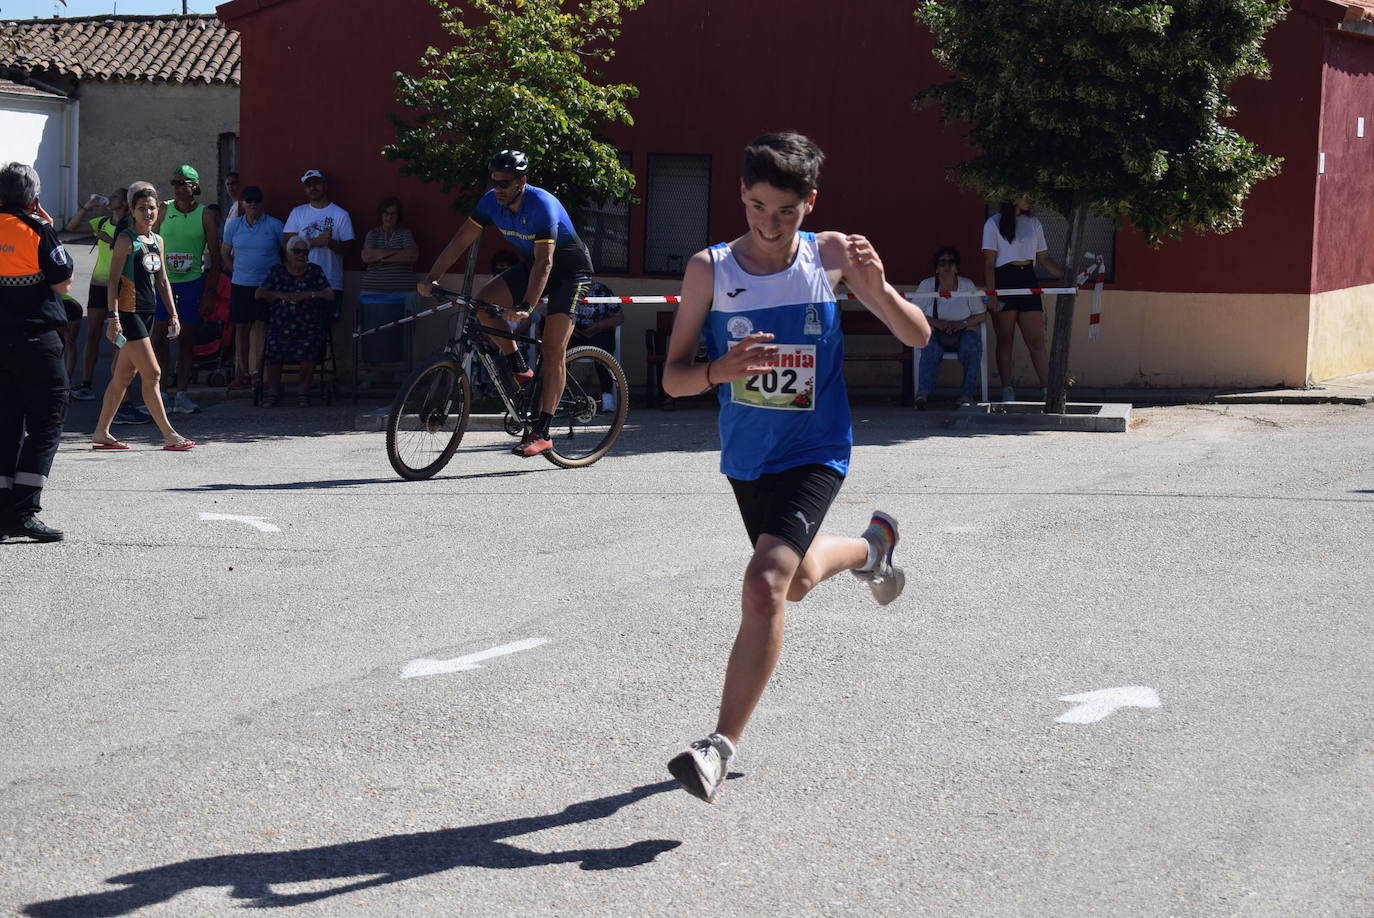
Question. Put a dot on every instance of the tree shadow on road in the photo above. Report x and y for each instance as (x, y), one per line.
(371, 863)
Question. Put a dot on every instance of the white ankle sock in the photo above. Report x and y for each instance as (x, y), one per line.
(723, 745)
(872, 561)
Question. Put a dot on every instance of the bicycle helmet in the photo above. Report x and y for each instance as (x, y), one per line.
(509, 161)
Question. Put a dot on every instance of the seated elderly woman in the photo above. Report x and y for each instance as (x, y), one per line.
(294, 330)
(954, 325)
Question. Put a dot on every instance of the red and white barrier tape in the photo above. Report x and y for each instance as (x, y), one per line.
(667, 300)
(1098, 273)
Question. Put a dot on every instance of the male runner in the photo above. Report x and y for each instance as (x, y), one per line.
(766, 302)
(188, 229)
(552, 260)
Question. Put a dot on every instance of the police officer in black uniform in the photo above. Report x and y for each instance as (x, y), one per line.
(34, 274)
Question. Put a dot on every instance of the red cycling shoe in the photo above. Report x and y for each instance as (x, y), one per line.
(533, 445)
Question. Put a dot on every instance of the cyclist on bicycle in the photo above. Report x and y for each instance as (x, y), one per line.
(553, 262)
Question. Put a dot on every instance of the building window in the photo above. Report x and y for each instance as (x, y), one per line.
(1099, 237)
(605, 227)
(678, 197)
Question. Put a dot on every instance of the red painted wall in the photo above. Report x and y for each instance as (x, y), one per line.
(1272, 252)
(317, 85)
(1345, 192)
(316, 89)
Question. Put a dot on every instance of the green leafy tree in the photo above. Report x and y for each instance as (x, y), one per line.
(519, 75)
(1108, 107)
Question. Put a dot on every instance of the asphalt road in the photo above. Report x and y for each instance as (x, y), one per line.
(201, 715)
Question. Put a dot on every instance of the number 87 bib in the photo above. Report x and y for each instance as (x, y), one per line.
(790, 384)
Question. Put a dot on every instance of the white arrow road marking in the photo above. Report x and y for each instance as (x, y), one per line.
(257, 522)
(424, 667)
(1094, 706)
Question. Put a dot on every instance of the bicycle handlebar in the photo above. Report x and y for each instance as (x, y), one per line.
(464, 298)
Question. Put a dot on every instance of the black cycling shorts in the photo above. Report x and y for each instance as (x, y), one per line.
(564, 293)
(789, 505)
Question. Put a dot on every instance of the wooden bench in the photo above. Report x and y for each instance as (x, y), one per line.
(857, 323)
(853, 323)
(655, 354)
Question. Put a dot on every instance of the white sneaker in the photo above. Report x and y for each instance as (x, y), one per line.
(701, 770)
(183, 405)
(885, 580)
(1008, 394)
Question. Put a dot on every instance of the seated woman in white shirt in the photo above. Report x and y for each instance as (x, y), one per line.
(954, 325)
(1013, 240)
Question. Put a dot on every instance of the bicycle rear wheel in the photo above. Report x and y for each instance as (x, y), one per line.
(428, 418)
(592, 410)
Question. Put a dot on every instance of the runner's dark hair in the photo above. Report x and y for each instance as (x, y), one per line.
(784, 160)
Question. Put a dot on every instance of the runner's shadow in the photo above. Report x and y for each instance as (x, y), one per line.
(370, 863)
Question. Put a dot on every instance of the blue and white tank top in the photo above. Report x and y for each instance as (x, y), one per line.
(798, 412)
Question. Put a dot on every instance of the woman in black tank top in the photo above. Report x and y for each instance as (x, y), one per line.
(137, 277)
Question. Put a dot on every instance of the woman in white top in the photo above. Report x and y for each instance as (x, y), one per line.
(1013, 241)
(954, 322)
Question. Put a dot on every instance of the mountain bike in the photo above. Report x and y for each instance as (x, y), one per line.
(430, 415)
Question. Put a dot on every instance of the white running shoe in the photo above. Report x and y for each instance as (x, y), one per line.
(183, 404)
(1008, 394)
(885, 579)
(701, 770)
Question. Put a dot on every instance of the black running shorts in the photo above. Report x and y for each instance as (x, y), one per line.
(134, 326)
(789, 505)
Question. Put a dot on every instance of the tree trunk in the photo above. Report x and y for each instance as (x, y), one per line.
(1058, 388)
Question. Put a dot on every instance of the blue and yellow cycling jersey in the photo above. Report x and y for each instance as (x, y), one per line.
(538, 218)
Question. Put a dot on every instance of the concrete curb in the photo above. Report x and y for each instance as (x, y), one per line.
(376, 420)
(1292, 397)
(1089, 417)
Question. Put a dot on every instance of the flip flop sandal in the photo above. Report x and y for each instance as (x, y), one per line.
(180, 447)
(107, 446)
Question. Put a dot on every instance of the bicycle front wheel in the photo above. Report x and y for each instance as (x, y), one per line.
(428, 419)
(592, 410)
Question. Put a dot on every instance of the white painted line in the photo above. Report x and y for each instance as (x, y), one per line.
(424, 667)
(257, 522)
(1094, 706)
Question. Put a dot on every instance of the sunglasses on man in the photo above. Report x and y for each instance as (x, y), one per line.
(503, 183)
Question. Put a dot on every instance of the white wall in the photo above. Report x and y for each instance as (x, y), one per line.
(33, 131)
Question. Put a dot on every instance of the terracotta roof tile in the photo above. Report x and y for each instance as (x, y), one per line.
(160, 49)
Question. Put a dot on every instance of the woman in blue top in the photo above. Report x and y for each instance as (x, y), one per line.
(252, 245)
(767, 304)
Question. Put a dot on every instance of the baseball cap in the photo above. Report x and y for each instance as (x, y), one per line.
(311, 173)
(186, 172)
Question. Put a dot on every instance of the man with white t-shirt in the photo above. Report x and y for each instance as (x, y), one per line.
(328, 229)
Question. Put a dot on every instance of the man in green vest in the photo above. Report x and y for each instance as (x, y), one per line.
(188, 229)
